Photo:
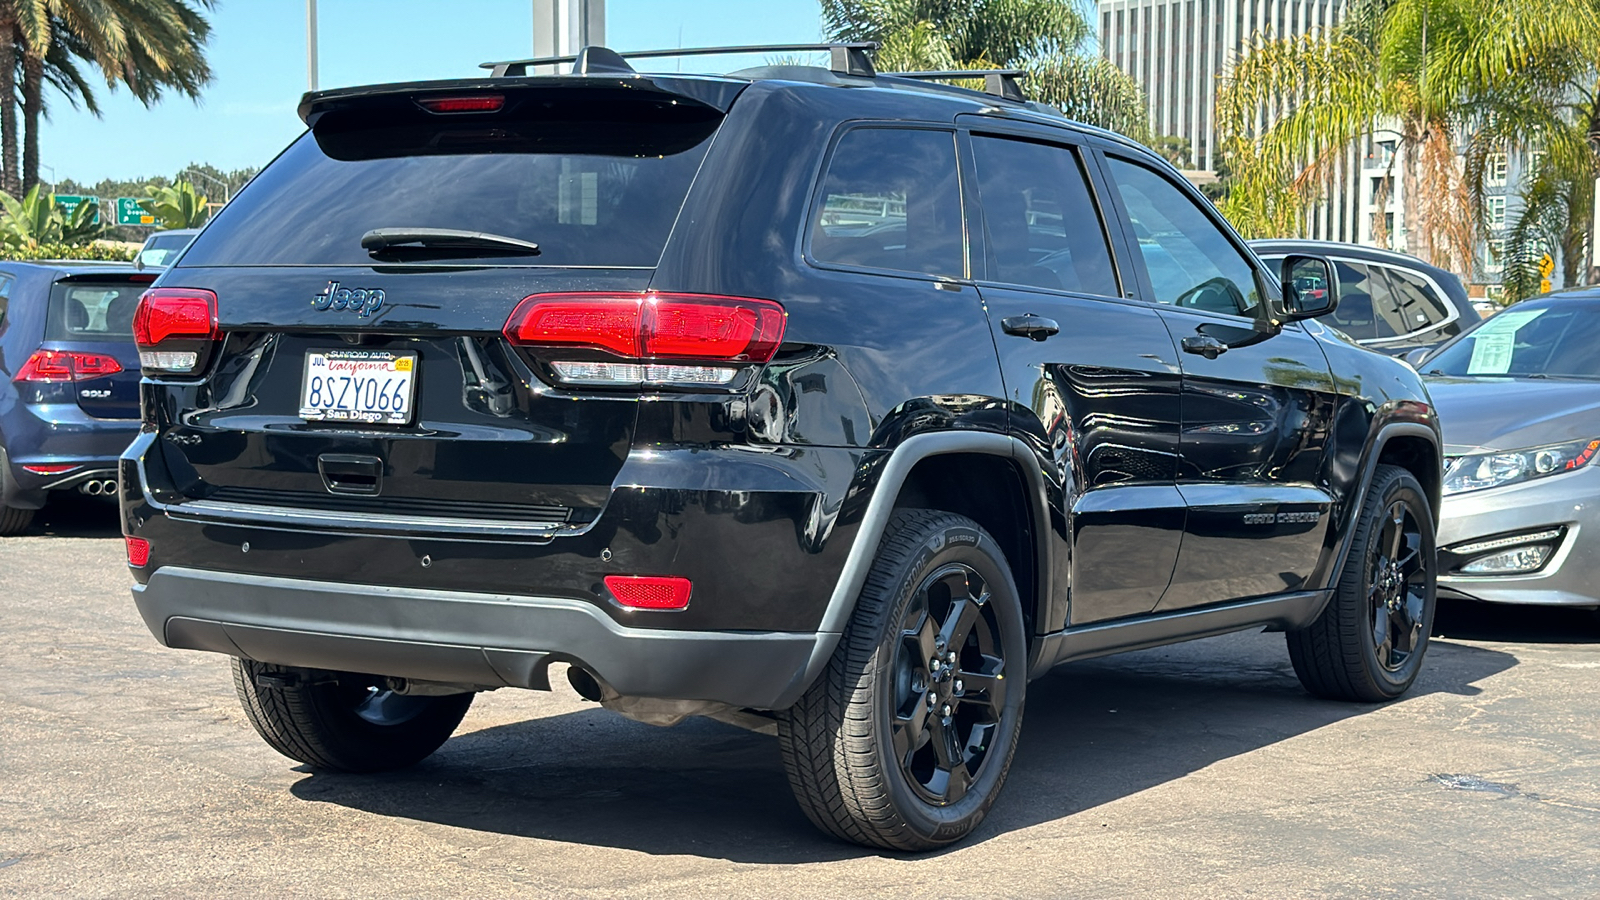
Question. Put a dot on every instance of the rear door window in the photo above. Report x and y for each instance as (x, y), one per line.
(1417, 305)
(891, 200)
(594, 181)
(91, 311)
(1363, 291)
(1044, 230)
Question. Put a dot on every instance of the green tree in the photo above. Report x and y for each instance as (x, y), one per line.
(1048, 38)
(37, 220)
(1292, 107)
(178, 206)
(149, 46)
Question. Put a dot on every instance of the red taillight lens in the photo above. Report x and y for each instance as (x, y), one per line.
(51, 468)
(175, 313)
(138, 552)
(650, 591)
(66, 365)
(476, 103)
(651, 326)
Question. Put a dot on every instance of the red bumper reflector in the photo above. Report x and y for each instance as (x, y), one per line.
(138, 552)
(51, 468)
(650, 592)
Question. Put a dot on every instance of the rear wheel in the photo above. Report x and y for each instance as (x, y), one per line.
(341, 720)
(905, 739)
(1368, 644)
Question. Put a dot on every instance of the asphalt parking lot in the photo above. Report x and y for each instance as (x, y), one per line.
(1194, 771)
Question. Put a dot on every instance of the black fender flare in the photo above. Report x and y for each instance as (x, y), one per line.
(902, 459)
(1369, 469)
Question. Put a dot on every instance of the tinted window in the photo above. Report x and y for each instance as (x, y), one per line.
(593, 182)
(1191, 262)
(891, 201)
(1550, 341)
(86, 311)
(1361, 295)
(6, 281)
(1044, 230)
(1417, 304)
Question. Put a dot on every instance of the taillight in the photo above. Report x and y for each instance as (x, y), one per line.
(51, 468)
(138, 552)
(66, 365)
(650, 591)
(466, 104)
(175, 329)
(650, 327)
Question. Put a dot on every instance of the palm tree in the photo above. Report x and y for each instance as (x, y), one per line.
(149, 46)
(1045, 37)
(1291, 108)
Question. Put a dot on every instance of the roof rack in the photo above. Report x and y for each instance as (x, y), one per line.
(847, 58)
(999, 82)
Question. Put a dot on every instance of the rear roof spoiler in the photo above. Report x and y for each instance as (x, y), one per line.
(712, 91)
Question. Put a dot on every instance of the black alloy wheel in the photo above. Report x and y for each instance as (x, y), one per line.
(949, 684)
(1368, 644)
(1399, 587)
(904, 740)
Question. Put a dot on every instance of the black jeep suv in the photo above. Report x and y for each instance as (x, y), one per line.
(840, 401)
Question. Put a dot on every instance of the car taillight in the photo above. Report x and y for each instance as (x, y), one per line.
(175, 329)
(66, 365)
(650, 328)
(650, 591)
(51, 468)
(466, 104)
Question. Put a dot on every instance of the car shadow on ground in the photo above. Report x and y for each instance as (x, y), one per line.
(69, 514)
(1469, 621)
(1094, 732)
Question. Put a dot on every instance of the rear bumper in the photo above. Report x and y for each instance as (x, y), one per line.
(472, 638)
(60, 434)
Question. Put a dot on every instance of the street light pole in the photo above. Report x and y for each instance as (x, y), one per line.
(226, 195)
(311, 45)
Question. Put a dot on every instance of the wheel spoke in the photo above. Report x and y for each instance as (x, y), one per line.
(985, 684)
(910, 731)
(1383, 637)
(922, 638)
(1395, 530)
(956, 783)
(963, 615)
(945, 749)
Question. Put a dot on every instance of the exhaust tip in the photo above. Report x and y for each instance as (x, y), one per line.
(585, 684)
(92, 488)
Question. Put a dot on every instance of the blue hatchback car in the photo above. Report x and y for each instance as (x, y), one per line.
(69, 380)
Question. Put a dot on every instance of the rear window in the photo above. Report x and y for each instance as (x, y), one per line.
(592, 181)
(91, 311)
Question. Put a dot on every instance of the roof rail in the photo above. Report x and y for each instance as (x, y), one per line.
(847, 58)
(999, 82)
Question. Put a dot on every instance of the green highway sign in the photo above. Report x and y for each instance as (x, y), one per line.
(69, 202)
(129, 212)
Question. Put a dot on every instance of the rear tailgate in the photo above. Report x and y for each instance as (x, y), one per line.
(91, 316)
(593, 173)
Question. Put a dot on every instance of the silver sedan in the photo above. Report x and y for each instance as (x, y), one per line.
(1519, 402)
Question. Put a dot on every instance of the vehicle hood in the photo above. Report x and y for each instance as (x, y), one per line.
(1513, 413)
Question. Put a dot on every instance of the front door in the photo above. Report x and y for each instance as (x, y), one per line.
(1257, 405)
(1093, 378)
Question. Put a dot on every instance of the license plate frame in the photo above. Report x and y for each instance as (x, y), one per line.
(365, 385)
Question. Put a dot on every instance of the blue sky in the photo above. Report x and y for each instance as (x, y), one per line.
(258, 59)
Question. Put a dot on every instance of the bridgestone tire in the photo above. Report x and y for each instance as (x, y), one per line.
(1337, 656)
(312, 717)
(838, 740)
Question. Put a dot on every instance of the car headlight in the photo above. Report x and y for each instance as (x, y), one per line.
(1488, 470)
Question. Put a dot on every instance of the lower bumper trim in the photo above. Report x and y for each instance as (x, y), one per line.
(469, 638)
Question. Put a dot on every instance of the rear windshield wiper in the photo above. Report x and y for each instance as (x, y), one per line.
(446, 242)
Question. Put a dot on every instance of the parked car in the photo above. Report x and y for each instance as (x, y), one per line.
(162, 247)
(783, 397)
(1388, 301)
(69, 380)
(1519, 399)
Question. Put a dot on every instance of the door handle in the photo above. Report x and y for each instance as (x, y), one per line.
(1030, 326)
(1205, 345)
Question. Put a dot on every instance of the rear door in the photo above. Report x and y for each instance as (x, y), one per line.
(594, 174)
(1257, 407)
(91, 316)
(1093, 377)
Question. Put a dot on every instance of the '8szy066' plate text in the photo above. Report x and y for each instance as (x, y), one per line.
(372, 386)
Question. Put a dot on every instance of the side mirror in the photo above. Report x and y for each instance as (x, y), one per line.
(1415, 357)
(1309, 290)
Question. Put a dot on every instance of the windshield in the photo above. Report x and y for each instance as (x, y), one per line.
(86, 311)
(593, 183)
(1551, 341)
(161, 249)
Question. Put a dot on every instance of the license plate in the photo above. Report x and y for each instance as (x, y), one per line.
(372, 386)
